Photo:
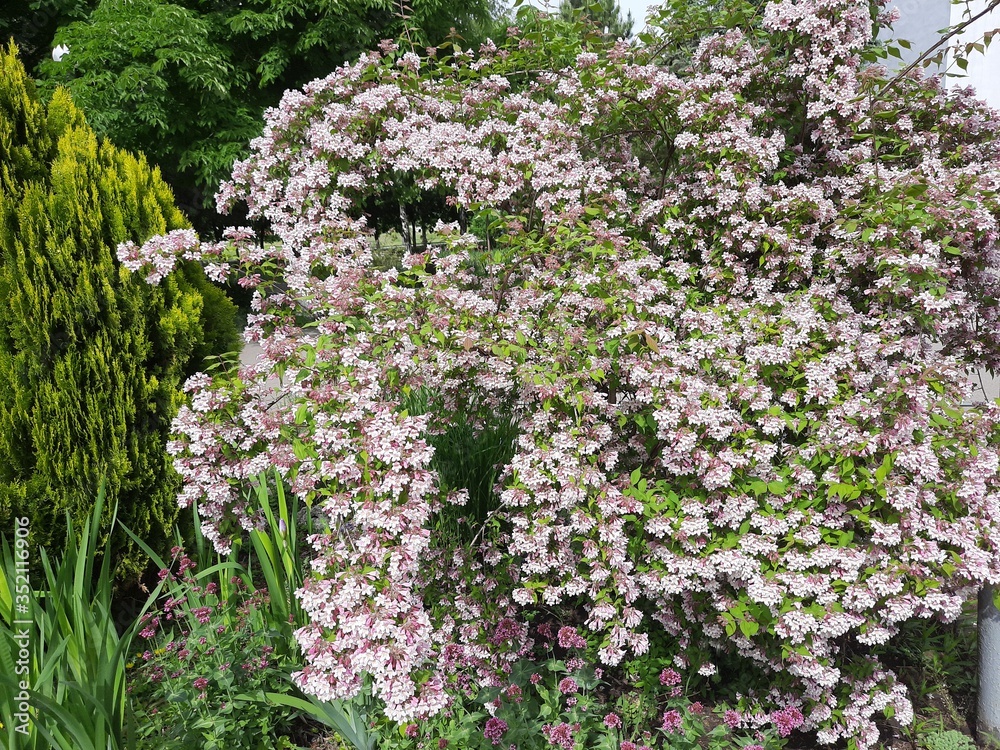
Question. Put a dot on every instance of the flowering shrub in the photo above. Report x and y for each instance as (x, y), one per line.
(731, 303)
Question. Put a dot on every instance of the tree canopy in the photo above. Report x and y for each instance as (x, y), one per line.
(188, 81)
(605, 14)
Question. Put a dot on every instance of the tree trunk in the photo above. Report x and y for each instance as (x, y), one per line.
(404, 228)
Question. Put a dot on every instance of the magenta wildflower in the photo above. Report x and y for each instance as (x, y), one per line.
(412, 730)
(787, 720)
(561, 735)
(671, 720)
(732, 718)
(506, 631)
(568, 686)
(495, 730)
(200, 683)
(670, 677)
(569, 638)
(613, 721)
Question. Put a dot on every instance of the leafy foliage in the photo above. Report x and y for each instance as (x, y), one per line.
(188, 83)
(605, 14)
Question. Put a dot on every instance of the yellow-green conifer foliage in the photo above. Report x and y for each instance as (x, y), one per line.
(91, 359)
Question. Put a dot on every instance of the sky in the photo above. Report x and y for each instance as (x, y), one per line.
(638, 8)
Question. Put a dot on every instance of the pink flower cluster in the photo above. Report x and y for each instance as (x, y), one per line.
(737, 351)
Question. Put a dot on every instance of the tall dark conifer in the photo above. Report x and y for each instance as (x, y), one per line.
(605, 14)
(91, 359)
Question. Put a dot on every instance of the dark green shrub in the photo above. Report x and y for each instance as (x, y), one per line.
(91, 359)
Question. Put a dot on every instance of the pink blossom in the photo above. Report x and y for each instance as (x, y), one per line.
(568, 686)
(495, 730)
(671, 721)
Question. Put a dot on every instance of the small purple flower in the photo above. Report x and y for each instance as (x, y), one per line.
(506, 631)
(495, 730)
(671, 721)
(669, 677)
(569, 638)
(561, 735)
(568, 686)
(732, 718)
(200, 684)
(787, 720)
(612, 721)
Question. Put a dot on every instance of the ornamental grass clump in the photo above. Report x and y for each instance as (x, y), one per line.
(733, 301)
(62, 659)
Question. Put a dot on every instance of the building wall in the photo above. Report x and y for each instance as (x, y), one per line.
(919, 21)
(984, 69)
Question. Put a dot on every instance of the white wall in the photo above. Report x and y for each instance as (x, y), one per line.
(984, 69)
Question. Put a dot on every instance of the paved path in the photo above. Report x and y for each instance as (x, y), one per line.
(250, 354)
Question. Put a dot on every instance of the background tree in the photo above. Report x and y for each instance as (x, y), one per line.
(33, 23)
(605, 14)
(188, 81)
(91, 359)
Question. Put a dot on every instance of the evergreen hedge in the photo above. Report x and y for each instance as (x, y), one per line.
(91, 359)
